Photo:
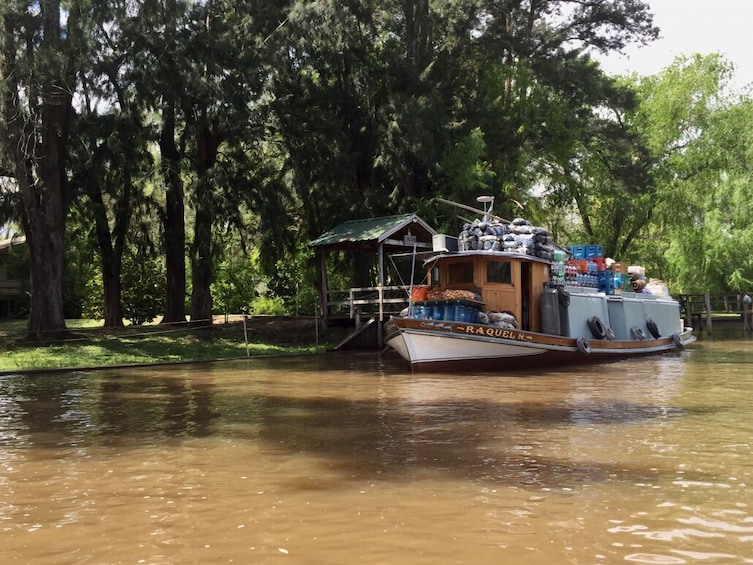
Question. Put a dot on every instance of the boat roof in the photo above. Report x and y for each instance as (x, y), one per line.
(432, 256)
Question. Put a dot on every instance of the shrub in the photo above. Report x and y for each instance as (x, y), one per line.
(268, 305)
(144, 288)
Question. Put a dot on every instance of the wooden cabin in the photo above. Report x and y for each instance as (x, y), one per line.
(507, 282)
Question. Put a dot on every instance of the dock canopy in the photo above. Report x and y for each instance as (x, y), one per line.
(397, 232)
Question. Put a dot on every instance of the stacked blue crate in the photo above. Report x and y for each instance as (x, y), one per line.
(594, 251)
(606, 282)
(592, 271)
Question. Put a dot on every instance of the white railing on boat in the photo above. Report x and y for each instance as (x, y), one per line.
(383, 301)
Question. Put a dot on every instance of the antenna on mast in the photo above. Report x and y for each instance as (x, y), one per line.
(486, 200)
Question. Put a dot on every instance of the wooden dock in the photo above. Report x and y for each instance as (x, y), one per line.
(367, 308)
(699, 310)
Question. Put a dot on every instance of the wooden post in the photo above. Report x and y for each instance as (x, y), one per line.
(707, 301)
(323, 284)
(380, 260)
(689, 310)
(245, 335)
(745, 315)
(381, 302)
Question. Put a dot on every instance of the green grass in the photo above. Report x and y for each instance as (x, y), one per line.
(91, 345)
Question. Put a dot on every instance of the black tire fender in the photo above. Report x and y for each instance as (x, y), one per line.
(598, 327)
(638, 333)
(583, 346)
(677, 340)
(653, 329)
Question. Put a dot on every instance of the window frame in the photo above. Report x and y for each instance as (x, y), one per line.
(495, 263)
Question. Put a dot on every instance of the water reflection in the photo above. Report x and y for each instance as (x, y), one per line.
(394, 424)
(50, 411)
(646, 460)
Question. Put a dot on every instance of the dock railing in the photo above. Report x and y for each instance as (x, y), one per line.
(363, 303)
(699, 309)
(13, 286)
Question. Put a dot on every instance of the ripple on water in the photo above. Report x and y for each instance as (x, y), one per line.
(654, 558)
(705, 535)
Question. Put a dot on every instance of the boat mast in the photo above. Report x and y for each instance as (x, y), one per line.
(472, 209)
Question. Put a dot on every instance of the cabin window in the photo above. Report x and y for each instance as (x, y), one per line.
(460, 273)
(499, 272)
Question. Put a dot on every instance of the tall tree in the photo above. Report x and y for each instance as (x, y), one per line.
(41, 48)
(156, 64)
(700, 135)
(204, 96)
(110, 149)
(541, 96)
(398, 87)
(167, 54)
(219, 112)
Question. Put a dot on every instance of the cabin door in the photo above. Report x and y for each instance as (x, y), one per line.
(526, 291)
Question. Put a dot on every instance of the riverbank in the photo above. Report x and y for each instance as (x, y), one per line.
(90, 345)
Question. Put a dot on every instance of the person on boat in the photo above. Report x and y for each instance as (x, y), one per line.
(638, 284)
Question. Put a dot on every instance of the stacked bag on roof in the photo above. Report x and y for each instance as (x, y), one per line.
(519, 236)
(482, 235)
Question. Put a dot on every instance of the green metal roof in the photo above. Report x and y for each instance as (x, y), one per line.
(370, 230)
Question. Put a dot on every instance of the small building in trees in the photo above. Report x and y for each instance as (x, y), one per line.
(14, 277)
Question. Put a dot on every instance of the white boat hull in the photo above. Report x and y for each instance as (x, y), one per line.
(430, 345)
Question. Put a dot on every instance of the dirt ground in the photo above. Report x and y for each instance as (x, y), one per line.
(283, 330)
(272, 330)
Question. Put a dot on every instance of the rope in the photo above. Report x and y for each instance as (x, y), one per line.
(123, 333)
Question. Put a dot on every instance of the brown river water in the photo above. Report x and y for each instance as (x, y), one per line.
(350, 458)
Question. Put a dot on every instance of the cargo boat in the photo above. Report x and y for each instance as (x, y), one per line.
(499, 309)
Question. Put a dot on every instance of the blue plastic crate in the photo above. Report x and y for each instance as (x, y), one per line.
(606, 282)
(578, 251)
(594, 251)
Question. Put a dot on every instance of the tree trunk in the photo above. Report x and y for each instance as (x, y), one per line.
(202, 272)
(201, 266)
(46, 321)
(45, 223)
(111, 271)
(173, 221)
(40, 176)
(112, 255)
(175, 260)
(112, 289)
